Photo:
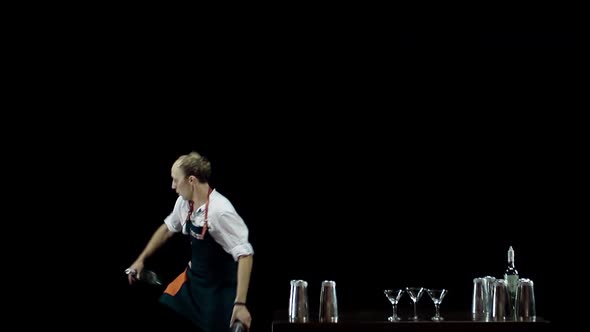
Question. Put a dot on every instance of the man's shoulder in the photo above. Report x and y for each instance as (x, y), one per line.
(218, 197)
(221, 204)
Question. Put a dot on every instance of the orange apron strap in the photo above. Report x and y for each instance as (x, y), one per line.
(175, 285)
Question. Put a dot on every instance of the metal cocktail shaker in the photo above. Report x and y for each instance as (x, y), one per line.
(500, 300)
(328, 302)
(479, 304)
(298, 308)
(525, 300)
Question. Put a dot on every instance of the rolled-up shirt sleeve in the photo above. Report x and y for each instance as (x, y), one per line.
(173, 220)
(230, 231)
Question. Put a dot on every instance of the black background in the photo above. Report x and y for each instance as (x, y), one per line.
(371, 209)
(348, 159)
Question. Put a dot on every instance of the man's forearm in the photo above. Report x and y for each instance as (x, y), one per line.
(244, 271)
(158, 239)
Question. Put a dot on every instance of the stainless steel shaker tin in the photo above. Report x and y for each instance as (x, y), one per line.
(328, 302)
(525, 300)
(298, 304)
(479, 309)
(489, 283)
(500, 300)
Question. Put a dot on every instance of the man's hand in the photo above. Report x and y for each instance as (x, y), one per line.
(242, 314)
(134, 271)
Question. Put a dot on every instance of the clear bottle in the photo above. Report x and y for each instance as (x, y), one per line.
(150, 277)
(146, 276)
(238, 327)
(511, 277)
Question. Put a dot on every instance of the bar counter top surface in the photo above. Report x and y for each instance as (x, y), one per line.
(377, 321)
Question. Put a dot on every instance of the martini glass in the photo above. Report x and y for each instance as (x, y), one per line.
(437, 295)
(393, 295)
(415, 294)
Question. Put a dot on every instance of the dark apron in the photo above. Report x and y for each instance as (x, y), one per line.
(205, 292)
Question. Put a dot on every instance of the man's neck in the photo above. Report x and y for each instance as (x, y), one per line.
(200, 194)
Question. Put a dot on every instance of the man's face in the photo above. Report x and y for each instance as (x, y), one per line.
(180, 183)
